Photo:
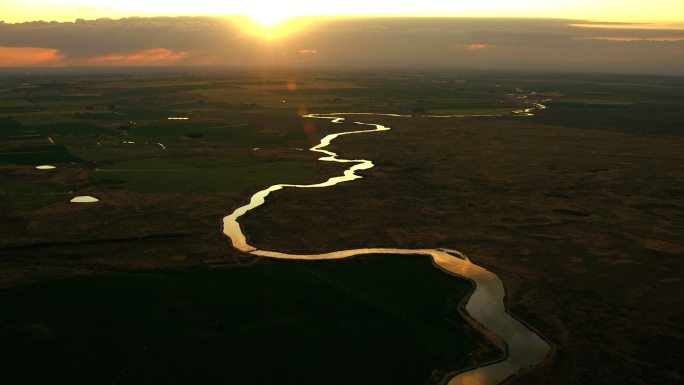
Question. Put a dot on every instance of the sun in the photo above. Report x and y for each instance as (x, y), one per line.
(269, 19)
(268, 14)
(271, 25)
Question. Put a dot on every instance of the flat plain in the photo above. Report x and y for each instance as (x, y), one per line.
(579, 210)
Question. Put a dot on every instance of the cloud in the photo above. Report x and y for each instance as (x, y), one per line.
(632, 26)
(308, 52)
(49, 57)
(423, 43)
(476, 47)
(29, 57)
(105, 36)
(626, 39)
(148, 57)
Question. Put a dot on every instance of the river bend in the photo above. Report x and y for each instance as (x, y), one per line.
(485, 308)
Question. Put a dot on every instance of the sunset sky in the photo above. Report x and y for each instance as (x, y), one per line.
(568, 35)
(268, 11)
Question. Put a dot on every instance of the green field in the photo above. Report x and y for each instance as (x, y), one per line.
(199, 175)
(372, 320)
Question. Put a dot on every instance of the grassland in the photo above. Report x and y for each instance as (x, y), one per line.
(579, 210)
(352, 322)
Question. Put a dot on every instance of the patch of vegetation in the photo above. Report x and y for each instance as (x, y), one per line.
(99, 116)
(202, 175)
(30, 195)
(10, 127)
(19, 109)
(347, 322)
(36, 155)
(76, 128)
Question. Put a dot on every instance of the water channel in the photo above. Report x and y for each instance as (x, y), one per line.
(485, 308)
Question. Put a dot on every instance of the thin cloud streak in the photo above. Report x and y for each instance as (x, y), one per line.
(148, 57)
(631, 39)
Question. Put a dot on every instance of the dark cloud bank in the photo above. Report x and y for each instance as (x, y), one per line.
(448, 43)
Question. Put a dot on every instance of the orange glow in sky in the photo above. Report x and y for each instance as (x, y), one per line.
(28, 56)
(269, 13)
(47, 57)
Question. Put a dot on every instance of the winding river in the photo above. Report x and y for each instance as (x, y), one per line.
(485, 308)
